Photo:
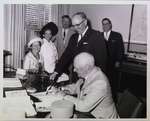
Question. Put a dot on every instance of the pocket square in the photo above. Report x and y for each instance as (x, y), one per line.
(113, 40)
(85, 43)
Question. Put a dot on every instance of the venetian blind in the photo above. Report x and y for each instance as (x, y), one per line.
(36, 15)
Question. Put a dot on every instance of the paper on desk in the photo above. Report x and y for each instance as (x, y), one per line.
(43, 107)
(15, 93)
(21, 73)
(50, 97)
(23, 103)
(11, 82)
(47, 100)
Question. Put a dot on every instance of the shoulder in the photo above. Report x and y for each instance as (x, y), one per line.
(116, 33)
(28, 56)
(95, 34)
(74, 36)
(100, 77)
(93, 31)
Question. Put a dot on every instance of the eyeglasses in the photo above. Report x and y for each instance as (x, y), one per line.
(104, 24)
(77, 25)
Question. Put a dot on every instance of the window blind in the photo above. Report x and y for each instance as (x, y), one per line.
(36, 15)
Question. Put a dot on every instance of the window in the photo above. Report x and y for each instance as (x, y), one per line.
(36, 15)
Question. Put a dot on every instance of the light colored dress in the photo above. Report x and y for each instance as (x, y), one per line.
(30, 62)
(49, 54)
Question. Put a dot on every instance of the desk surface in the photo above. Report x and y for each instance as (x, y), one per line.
(16, 97)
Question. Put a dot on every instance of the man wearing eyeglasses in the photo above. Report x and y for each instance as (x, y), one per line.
(115, 47)
(85, 40)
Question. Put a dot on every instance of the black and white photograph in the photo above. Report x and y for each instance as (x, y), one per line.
(75, 61)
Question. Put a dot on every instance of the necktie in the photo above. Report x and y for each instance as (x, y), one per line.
(80, 85)
(64, 34)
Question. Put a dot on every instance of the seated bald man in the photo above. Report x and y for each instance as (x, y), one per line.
(94, 98)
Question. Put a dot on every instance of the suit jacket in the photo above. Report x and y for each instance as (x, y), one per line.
(94, 96)
(91, 42)
(61, 46)
(115, 47)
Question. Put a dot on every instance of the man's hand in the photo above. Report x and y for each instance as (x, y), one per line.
(53, 75)
(65, 90)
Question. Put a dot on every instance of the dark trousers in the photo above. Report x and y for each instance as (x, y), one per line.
(113, 80)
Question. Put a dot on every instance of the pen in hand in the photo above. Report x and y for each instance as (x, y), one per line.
(48, 89)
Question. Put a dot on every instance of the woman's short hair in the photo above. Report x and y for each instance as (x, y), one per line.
(49, 26)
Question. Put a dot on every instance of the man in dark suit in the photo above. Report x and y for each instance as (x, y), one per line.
(115, 51)
(85, 40)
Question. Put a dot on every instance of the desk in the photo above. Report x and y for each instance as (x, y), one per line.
(16, 97)
(132, 75)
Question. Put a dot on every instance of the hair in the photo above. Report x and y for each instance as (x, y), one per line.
(49, 26)
(85, 59)
(82, 14)
(106, 19)
(68, 17)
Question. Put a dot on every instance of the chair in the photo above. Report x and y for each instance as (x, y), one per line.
(129, 106)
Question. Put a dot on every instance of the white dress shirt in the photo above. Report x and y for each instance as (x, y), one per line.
(106, 35)
(64, 36)
(81, 35)
(49, 54)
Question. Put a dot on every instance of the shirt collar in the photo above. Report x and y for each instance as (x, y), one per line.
(46, 41)
(85, 31)
(65, 30)
(89, 75)
(108, 33)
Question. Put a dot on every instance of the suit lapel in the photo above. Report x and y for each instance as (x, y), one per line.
(85, 38)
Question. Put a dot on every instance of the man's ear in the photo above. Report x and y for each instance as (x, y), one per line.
(85, 22)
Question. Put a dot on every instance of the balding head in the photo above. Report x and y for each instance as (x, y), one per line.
(79, 22)
(83, 63)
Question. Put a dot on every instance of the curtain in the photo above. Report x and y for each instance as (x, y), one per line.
(58, 11)
(15, 34)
